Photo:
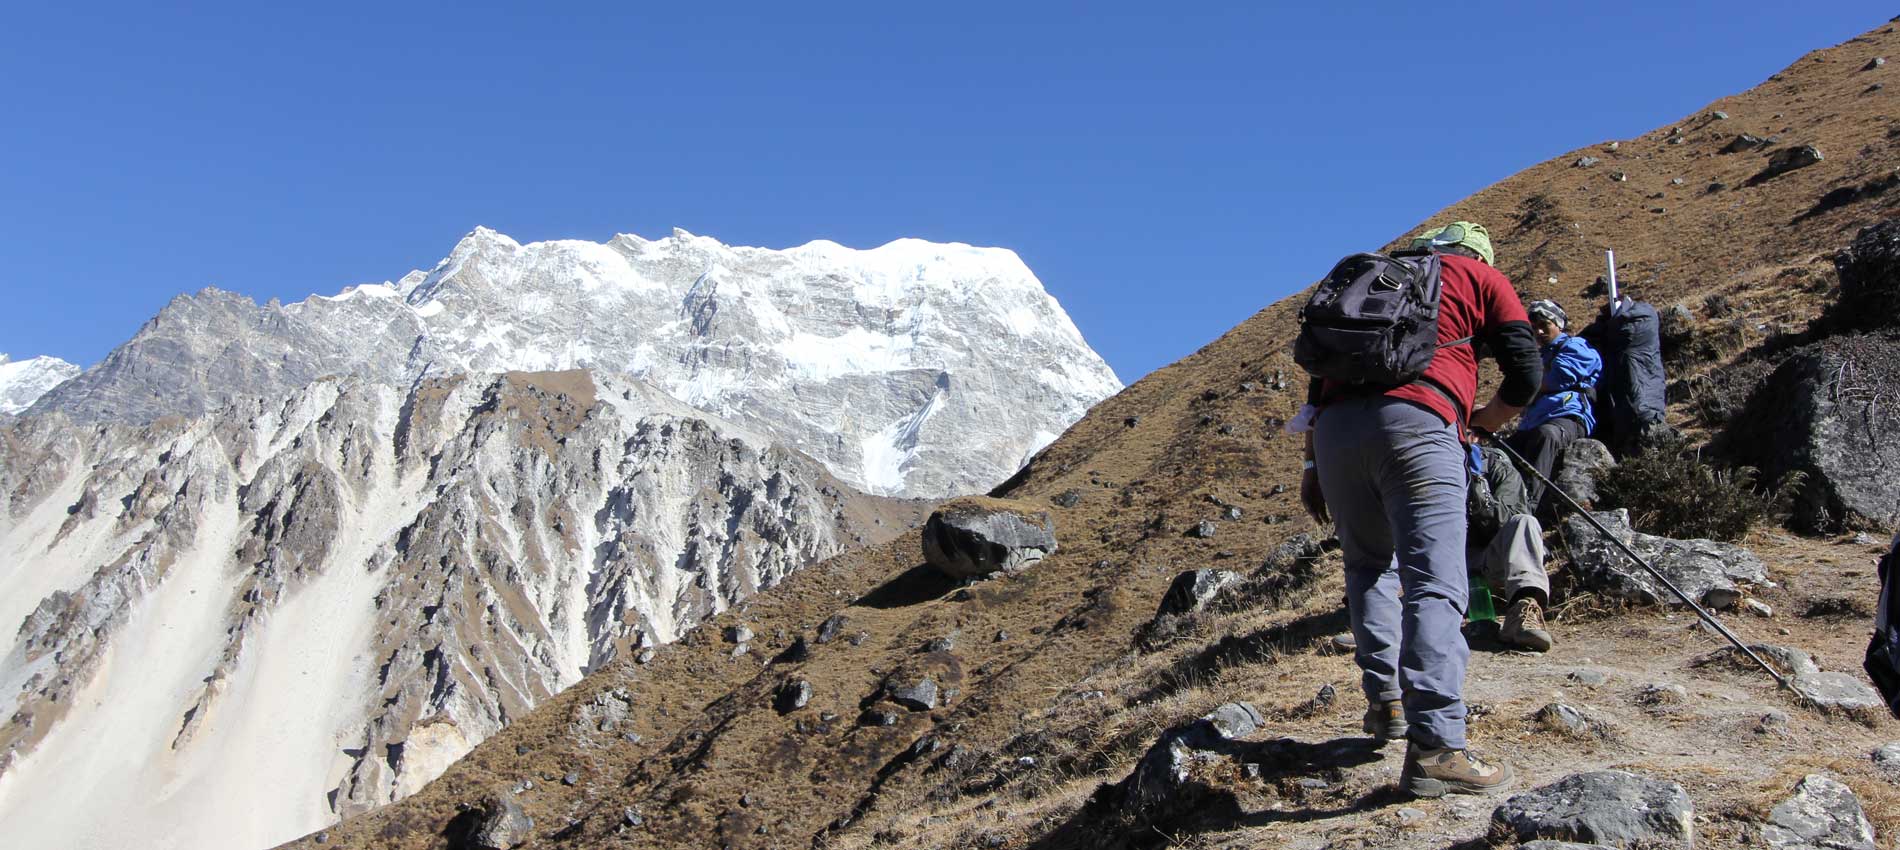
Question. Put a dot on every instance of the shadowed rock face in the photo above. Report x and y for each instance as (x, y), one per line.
(1828, 412)
(346, 589)
(915, 368)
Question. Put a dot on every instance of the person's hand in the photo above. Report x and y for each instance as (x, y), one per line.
(1492, 417)
(1312, 499)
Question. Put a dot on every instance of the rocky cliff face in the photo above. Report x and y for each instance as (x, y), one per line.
(236, 628)
(915, 368)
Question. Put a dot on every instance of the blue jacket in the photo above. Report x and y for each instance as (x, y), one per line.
(1571, 368)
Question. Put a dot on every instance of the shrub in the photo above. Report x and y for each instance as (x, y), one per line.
(1671, 490)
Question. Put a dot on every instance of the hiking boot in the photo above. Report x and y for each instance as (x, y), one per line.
(1524, 626)
(1386, 721)
(1435, 773)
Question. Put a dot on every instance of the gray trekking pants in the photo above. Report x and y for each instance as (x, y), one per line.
(1393, 474)
(1513, 562)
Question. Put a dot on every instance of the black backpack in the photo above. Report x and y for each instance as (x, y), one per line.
(1373, 320)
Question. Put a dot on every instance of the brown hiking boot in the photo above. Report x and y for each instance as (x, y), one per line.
(1524, 626)
(1386, 721)
(1435, 773)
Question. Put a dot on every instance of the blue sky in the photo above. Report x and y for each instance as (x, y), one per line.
(1166, 169)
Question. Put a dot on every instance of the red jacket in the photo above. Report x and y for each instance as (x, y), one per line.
(1477, 301)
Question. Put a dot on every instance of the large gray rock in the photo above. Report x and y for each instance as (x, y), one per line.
(503, 826)
(1235, 719)
(1822, 815)
(1579, 468)
(969, 540)
(1610, 807)
(1828, 413)
(1192, 591)
(1705, 570)
(920, 695)
(1826, 691)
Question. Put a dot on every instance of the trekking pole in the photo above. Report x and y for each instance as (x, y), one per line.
(1609, 258)
(1699, 610)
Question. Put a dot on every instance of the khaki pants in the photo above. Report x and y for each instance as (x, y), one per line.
(1513, 561)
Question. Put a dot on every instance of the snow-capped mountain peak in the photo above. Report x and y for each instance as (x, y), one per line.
(22, 382)
(914, 368)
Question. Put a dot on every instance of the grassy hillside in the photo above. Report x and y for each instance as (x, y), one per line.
(1055, 696)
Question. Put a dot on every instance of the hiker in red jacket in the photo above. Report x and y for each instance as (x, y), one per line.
(1389, 466)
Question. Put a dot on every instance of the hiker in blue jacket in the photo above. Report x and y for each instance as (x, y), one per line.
(1561, 413)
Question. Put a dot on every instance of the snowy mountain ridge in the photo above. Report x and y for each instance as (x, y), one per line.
(914, 368)
(22, 382)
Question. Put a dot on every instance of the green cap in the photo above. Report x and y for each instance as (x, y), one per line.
(1467, 233)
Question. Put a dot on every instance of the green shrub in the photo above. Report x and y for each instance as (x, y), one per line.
(1671, 490)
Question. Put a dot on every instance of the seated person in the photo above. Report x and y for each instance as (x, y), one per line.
(1561, 411)
(1505, 545)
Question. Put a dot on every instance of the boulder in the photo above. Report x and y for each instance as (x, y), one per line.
(1887, 761)
(1789, 159)
(1580, 466)
(1822, 815)
(1168, 766)
(1610, 807)
(1193, 590)
(970, 540)
(792, 696)
(1235, 720)
(1827, 413)
(1869, 270)
(920, 695)
(828, 630)
(1844, 693)
(1705, 570)
(503, 825)
(1745, 142)
(1826, 691)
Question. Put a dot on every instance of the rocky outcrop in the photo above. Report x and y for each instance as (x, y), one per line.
(1705, 570)
(1826, 415)
(503, 825)
(1823, 690)
(1193, 590)
(1869, 270)
(1613, 808)
(1165, 771)
(902, 368)
(975, 538)
(348, 588)
(1823, 814)
(1581, 466)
